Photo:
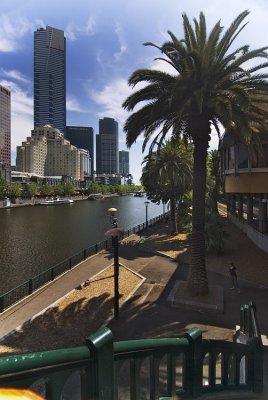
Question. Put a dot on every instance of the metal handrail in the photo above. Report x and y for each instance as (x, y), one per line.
(34, 283)
(101, 364)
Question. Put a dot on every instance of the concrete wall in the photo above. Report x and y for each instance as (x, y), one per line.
(258, 238)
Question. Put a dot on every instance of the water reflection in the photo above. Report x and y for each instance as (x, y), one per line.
(34, 239)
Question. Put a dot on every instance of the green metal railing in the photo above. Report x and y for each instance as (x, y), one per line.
(31, 285)
(139, 369)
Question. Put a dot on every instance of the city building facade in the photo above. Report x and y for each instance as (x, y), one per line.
(5, 133)
(245, 177)
(124, 163)
(107, 157)
(48, 153)
(82, 137)
(50, 78)
(85, 165)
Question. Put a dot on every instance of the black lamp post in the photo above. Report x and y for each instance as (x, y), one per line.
(146, 209)
(115, 233)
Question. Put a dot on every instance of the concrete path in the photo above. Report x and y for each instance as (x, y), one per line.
(151, 299)
(51, 293)
(147, 313)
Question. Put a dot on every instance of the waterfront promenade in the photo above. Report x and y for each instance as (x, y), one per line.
(147, 313)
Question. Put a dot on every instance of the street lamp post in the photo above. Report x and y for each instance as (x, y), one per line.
(115, 233)
(146, 212)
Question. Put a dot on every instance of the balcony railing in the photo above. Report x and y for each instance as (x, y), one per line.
(141, 369)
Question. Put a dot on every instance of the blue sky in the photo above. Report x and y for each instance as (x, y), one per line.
(104, 46)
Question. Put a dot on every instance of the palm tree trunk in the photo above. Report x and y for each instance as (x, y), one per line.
(173, 219)
(197, 280)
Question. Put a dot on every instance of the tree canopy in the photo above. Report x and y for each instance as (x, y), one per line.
(213, 84)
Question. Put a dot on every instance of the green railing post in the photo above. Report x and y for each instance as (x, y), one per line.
(194, 379)
(258, 350)
(96, 248)
(1, 304)
(101, 346)
(30, 286)
(85, 254)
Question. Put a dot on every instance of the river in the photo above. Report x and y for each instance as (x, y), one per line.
(36, 238)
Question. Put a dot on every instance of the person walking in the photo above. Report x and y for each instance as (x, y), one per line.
(232, 270)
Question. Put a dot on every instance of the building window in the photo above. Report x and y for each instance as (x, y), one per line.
(242, 156)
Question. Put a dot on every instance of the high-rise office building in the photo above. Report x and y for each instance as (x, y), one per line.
(124, 163)
(50, 78)
(107, 147)
(82, 138)
(48, 153)
(5, 133)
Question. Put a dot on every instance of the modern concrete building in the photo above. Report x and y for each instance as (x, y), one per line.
(107, 147)
(48, 153)
(245, 173)
(5, 133)
(85, 165)
(124, 163)
(82, 137)
(50, 78)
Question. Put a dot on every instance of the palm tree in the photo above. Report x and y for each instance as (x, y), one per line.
(212, 85)
(214, 181)
(167, 175)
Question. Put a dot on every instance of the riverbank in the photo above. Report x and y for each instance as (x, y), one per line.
(147, 312)
(36, 201)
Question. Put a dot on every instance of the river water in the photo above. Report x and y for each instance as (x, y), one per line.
(34, 239)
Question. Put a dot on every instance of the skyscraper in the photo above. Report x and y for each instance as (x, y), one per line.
(107, 147)
(5, 132)
(50, 78)
(124, 163)
(82, 138)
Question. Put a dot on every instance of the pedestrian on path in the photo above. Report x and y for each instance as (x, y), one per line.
(232, 270)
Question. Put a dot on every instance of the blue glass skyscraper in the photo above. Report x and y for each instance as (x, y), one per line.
(50, 78)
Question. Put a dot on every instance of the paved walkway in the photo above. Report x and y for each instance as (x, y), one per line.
(51, 293)
(150, 300)
(147, 313)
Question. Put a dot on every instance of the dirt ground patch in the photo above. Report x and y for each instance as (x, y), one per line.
(82, 312)
(72, 319)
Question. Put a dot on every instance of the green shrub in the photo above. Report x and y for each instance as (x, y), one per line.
(215, 233)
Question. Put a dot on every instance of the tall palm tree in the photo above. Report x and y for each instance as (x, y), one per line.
(167, 175)
(215, 178)
(212, 85)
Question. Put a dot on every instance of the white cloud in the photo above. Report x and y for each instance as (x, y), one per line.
(72, 104)
(73, 31)
(111, 98)
(121, 39)
(16, 75)
(13, 29)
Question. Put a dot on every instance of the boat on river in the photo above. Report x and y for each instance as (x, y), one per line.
(95, 196)
(56, 201)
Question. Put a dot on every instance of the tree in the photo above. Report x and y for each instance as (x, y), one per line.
(167, 175)
(46, 189)
(3, 188)
(14, 190)
(68, 188)
(212, 85)
(31, 189)
(214, 179)
(94, 188)
(59, 189)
